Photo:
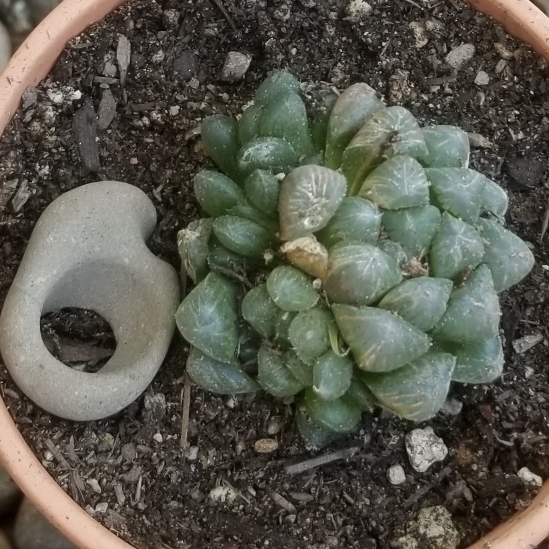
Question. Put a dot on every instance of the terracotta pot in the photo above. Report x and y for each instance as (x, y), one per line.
(28, 66)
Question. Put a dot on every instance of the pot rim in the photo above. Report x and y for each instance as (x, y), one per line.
(28, 66)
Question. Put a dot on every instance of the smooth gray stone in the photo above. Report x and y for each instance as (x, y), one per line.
(88, 251)
(5, 47)
(33, 531)
(9, 494)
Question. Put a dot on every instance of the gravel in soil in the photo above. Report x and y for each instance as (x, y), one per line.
(98, 117)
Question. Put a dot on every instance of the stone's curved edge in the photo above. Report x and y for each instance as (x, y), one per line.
(48, 497)
(35, 57)
(521, 19)
(88, 250)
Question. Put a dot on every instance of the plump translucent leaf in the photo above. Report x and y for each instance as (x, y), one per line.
(207, 318)
(447, 146)
(266, 153)
(389, 132)
(192, 243)
(302, 371)
(332, 375)
(248, 125)
(274, 376)
(459, 191)
(355, 219)
(314, 436)
(399, 182)
(380, 341)
(286, 117)
(249, 343)
(355, 105)
(413, 228)
(394, 250)
(320, 119)
(336, 415)
(359, 395)
(220, 140)
(242, 236)
(260, 311)
(291, 290)
(262, 190)
(508, 257)
(307, 254)
(247, 211)
(457, 247)
(479, 362)
(216, 193)
(359, 273)
(218, 377)
(310, 333)
(282, 327)
(220, 256)
(277, 84)
(494, 199)
(473, 310)
(309, 197)
(421, 301)
(418, 390)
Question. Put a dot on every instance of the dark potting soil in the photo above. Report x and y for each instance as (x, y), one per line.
(129, 471)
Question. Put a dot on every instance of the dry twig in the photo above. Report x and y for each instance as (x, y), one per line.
(297, 468)
(185, 412)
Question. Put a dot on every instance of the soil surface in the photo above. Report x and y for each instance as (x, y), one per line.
(129, 472)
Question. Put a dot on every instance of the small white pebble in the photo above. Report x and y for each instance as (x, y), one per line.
(530, 478)
(101, 507)
(265, 445)
(396, 474)
(191, 453)
(223, 494)
(424, 448)
(460, 56)
(157, 437)
(482, 78)
(94, 485)
(174, 110)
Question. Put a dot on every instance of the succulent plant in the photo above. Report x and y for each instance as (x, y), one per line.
(348, 257)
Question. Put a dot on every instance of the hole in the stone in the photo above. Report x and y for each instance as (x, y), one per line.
(79, 338)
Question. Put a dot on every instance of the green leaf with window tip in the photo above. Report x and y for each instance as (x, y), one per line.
(302, 371)
(447, 146)
(262, 189)
(416, 391)
(355, 219)
(421, 301)
(355, 105)
(249, 343)
(494, 199)
(224, 378)
(220, 140)
(216, 193)
(260, 311)
(192, 243)
(266, 153)
(309, 197)
(309, 333)
(314, 437)
(291, 289)
(399, 182)
(473, 310)
(458, 191)
(359, 395)
(320, 120)
(380, 340)
(282, 327)
(207, 318)
(389, 132)
(413, 228)
(242, 236)
(479, 362)
(248, 125)
(507, 256)
(456, 248)
(332, 375)
(221, 257)
(394, 250)
(276, 85)
(359, 273)
(247, 211)
(286, 117)
(336, 415)
(274, 376)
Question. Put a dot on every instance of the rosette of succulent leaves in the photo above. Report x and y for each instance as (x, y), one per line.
(348, 257)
